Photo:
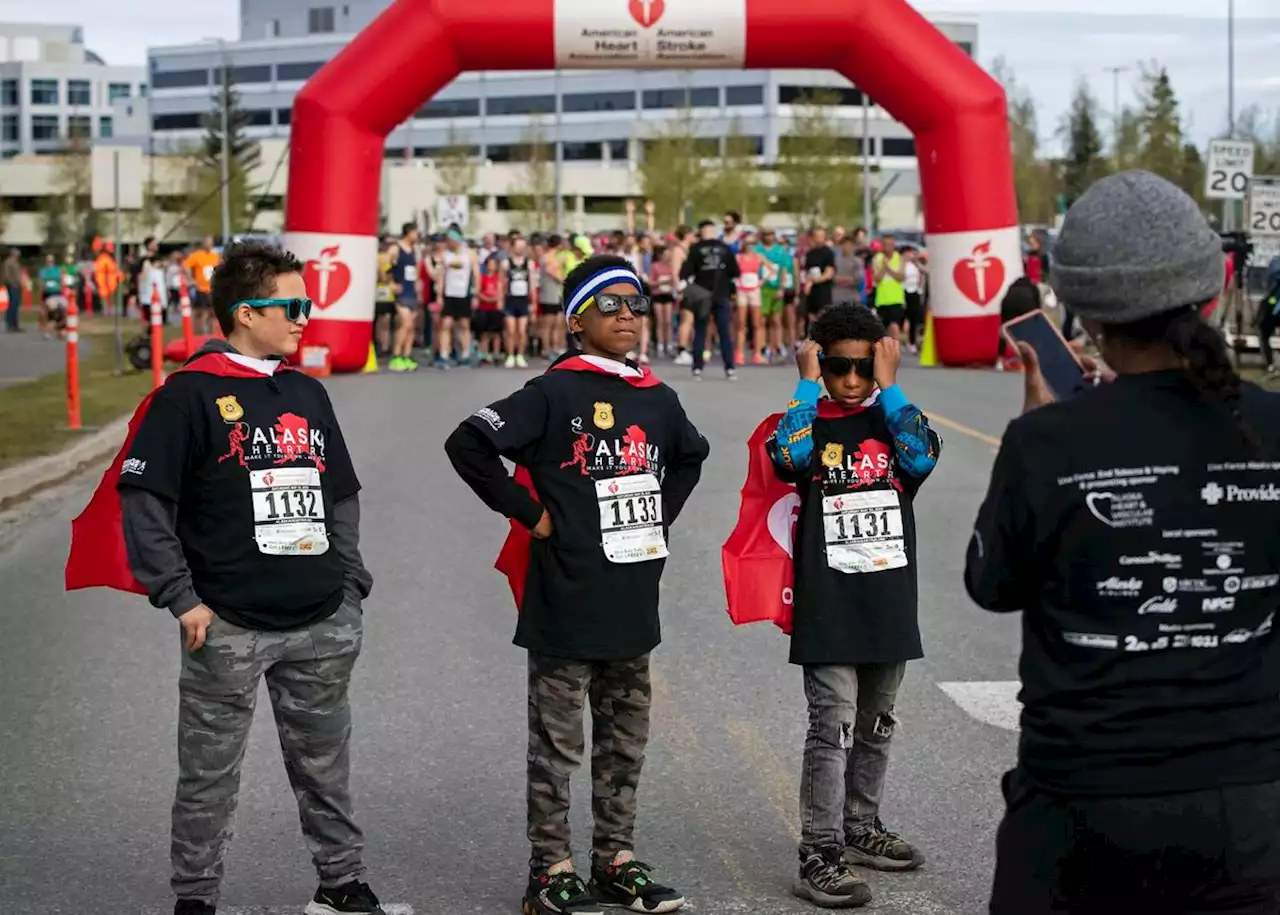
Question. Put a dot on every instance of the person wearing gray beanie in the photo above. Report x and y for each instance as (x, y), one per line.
(1136, 527)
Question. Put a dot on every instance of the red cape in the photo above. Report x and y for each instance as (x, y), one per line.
(98, 558)
(513, 559)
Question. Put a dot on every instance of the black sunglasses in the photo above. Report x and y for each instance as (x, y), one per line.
(610, 303)
(293, 308)
(843, 365)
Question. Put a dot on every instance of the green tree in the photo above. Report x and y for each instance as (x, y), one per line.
(1083, 163)
(146, 220)
(1126, 147)
(1160, 123)
(535, 190)
(673, 170)
(1033, 178)
(205, 172)
(1191, 174)
(66, 214)
(818, 173)
(735, 182)
(1265, 134)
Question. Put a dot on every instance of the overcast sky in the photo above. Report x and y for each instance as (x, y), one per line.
(1049, 49)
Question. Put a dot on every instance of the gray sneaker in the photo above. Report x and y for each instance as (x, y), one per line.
(827, 882)
(879, 849)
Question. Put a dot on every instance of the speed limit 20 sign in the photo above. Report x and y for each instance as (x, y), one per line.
(1264, 217)
(1229, 170)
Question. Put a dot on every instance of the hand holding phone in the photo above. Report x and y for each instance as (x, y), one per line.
(1052, 369)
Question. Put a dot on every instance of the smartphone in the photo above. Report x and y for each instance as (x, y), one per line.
(1059, 364)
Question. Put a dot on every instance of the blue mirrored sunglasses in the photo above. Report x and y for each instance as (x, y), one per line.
(293, 308)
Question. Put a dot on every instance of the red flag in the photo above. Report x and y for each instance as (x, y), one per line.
(98, 557)
(513, 559)
(758, 571)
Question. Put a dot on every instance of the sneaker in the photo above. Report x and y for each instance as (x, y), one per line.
(521, 362)
(879, 849)
(354, 898)
(629, 886)
(510, 363)
(759, 359)
(192, 907)
(731, 374)
(827, 882)
(685, 358)
(396, 364)
(697, 374)
(558, 894)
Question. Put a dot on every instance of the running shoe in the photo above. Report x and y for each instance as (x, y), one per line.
(193, 907)
(875, 847)
(827, 882)
(354, 898)
(731, 374)
(628, 885)
(510, 363)
(684, 358)
(697, 374)
(522, 362)
(558, 894)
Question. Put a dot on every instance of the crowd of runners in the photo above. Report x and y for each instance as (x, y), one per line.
(744, 294)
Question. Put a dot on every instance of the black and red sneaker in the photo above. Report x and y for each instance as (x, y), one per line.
(628, 885)
(564, 893)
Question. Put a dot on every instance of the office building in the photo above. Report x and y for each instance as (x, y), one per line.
(54, 91)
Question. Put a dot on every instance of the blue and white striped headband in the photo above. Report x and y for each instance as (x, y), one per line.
(602, 279)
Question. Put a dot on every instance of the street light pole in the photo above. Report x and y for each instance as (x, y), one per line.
(1231, 68)
(226, 148)
(866, 163)
(1115, 107)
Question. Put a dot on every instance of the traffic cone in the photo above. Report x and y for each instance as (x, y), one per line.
(928, 354)
(370, 364)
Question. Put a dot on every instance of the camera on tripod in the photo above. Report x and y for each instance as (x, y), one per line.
(1240, 247)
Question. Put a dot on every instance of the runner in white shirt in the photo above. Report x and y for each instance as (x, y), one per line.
(460, 280)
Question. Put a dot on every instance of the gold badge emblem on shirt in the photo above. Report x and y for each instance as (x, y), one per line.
(833, 455)
(229, 409)
(602, 415)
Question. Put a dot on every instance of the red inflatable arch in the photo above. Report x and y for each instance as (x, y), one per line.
(342, 117)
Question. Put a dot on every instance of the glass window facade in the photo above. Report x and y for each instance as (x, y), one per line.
(599, 101)
(179, 79)
(44, 127)
(898, 146)
(520, 104)
(118, 90)
(79, 92)
(703, 97)
(744, 95)
(320, 20)
(450, 108)
(297, 71)
(44, 92)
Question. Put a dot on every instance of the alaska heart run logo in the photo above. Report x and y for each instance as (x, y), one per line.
(327, 278)
(980, 276)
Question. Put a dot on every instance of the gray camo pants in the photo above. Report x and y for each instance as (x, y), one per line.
(619, 693)
(307, 671)
(846, 752)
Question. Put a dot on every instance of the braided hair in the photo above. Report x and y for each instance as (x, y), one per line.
(1207, 364)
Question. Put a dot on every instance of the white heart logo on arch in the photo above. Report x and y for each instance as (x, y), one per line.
(782, 521)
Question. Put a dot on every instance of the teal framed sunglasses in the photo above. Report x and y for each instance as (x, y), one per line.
(293, 308)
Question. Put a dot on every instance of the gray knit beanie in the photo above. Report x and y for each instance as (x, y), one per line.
(1133, 246)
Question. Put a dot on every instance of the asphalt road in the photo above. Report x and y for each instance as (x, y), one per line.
(88, 682)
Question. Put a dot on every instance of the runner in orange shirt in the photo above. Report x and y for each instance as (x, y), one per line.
(200, 265)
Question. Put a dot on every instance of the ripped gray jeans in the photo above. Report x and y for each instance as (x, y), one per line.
(846, 752)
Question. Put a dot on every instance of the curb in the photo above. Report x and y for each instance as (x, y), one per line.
(24, 480)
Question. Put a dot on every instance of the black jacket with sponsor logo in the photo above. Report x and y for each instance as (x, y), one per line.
(589, 437)
(1140, 536)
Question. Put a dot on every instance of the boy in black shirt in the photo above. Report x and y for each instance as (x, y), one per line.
(240, 516)
(607, 459)
(857, 459)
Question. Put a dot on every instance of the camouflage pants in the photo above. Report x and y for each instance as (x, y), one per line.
(619, 693)
(307, 671)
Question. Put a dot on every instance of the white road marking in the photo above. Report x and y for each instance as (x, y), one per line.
(993, 702)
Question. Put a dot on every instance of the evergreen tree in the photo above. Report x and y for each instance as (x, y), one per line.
(1191, 174)
(1126, 151)
(205, 173)
(1083, 163)
(1161, 125)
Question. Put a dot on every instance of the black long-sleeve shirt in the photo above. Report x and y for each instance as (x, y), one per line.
(1139, 535)
(613, 464)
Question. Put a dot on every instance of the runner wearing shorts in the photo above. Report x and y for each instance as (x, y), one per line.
(750, 300)
(403, 257)
(460, 278)
(778, 271)
(200, 265)
(519, 270)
